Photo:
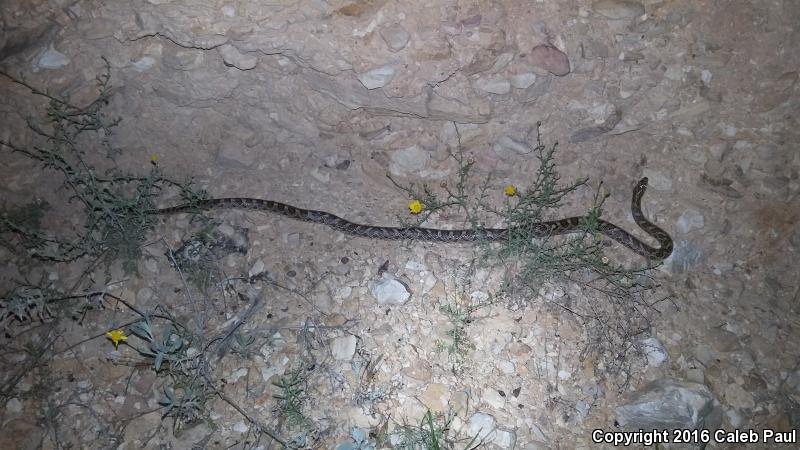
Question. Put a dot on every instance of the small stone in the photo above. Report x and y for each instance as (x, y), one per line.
(320, 175)
(51, 59)
(551, 59)
(293, 239)
(390, 291)
(343, 348)
(226, 230)
(408, 161)
(735, 418)
(523, 80)
(257, 268)
(144, 295)
(481, 425)
(737, 397)
(536, 90)
(229, 11)
(143, 64)
(343, 293)
(654, 351)
(504, 438)
(498, 87)
(419, 370)
(236, 375)
(689, 221)
(618, 9)
(376, 78)
(240, 427)
(151, 265)
(14, 406)
(435, 397)
(508, 149)
(666, 403)
(395, 36)
(507, 367)
(233, 154)
(493, 398)
(232, 57)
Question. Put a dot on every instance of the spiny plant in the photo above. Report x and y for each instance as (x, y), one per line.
(292, 397)
(578, 259)
(432, 433)
(117, 205)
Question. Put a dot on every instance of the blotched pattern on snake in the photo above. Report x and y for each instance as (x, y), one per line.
(534, 230)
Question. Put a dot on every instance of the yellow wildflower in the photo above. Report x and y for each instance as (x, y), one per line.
(154, 158)
(116, 337)
(510, 190)
(415, 207)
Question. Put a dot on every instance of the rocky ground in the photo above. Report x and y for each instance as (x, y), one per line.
(312, 104)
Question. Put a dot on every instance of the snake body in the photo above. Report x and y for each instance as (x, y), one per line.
(534, 230)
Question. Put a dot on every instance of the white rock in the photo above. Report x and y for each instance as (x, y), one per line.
(507, 148)
(14, 406)
(706, 76)
(321, 176)
(409, 160)
(344, 347)
(51, 59)
(236, 374)
(257, 269)
(415, 266)
(689, 221)
(507, 367)
(389, 291)
(240, 427)
(523, 80)
(618, 9)
(144, 294)
(496, 86)
(481, 425)
(395, 36)
(493, 398)
(232, 57)
(504, 438)
(376, 78)
(654, 351)
(144, 63)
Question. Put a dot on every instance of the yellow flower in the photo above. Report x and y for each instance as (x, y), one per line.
(154, 158)
(415, 207)
(510, 190)
(116, 337)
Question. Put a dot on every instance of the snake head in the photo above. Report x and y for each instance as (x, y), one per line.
(642, 183)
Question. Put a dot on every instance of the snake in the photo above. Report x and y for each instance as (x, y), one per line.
(541, 229)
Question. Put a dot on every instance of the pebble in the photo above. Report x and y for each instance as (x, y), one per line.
(618, 9)
(257, 268)
(551, 59)
(689, 221)
(376, 78)
(51, 59)
(654, 351)
(395, 36)
(494, 86)
(144, 295)
(232, 57)
(343, 348)
(481, 425)
(408, 160)
(523, 80)
(389, 291)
